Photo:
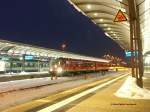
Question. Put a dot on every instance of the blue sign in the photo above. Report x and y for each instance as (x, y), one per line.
(28, 57)
(128, 53)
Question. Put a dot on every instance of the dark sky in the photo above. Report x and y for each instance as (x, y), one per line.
(49, 23)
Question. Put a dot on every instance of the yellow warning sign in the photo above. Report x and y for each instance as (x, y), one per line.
(120, 17)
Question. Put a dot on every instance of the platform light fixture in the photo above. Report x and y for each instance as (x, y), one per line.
(95, 14)
(101, 20)
(105, 24)
(89, 6)
(114, 34)
(109, 28)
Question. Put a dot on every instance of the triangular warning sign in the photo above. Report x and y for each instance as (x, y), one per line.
(120, 17)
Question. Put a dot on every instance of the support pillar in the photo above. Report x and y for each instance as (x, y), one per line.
(136, 44)
(140, 55)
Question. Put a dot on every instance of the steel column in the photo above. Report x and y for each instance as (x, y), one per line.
(136, 45)
(140, 55)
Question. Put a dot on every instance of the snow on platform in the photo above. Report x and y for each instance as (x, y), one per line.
(28, 83)
(21, 73)
(130, 90)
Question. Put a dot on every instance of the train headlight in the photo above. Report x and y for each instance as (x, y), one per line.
(59, 70)
(51, 69)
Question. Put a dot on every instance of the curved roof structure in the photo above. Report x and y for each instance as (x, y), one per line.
(13, 48)
(102, 13)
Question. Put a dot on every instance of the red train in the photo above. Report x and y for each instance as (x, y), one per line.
(65, 66)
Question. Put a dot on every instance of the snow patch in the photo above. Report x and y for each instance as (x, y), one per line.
(29, 83)
(24, 73)
(130, 90)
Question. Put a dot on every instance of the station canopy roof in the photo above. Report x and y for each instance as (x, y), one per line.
(103, 13)
(13, 48)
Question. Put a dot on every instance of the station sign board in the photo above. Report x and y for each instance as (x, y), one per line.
(28, 57)
(128, 53)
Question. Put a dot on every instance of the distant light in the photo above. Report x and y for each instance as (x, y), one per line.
(21, 58)
(63, 46)
(114, 34)
(95, 14)
(89, 6)
(101, 20)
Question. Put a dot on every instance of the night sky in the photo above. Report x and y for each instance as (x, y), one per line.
(50, 23)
